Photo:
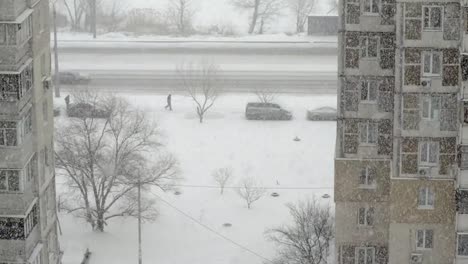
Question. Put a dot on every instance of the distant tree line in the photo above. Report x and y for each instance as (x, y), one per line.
(177, 16)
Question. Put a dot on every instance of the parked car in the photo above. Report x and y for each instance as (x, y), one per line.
(73, 78)
(266, 111)
(322, 114)
(85, 110)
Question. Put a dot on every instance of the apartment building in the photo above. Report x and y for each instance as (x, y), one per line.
(400, 180)
(28, 229)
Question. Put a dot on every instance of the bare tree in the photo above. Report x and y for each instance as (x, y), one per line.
(105, 160)
(262, 11)
(266, 95)
(250, 190)
(222, 176)
(111, 15)
(76, 10)
(202, 82)
(180, 13)
(307, 240)
(269, 11)
(301, 10)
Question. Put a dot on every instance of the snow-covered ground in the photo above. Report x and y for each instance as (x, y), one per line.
(264, 150)
(128, 37)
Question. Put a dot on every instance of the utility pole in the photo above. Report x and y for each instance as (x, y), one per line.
(56, 79)
(140, 261)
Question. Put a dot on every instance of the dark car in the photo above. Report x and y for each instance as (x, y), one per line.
(266, 111)
(322, 114)
(73, 78)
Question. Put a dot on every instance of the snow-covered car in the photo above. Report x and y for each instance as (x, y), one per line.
(73, 78)
(325, 113)
(266, 111)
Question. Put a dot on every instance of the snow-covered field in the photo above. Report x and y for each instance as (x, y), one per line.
(264, 150)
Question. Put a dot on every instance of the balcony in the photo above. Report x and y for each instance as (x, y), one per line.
(17, 156)
(11, 9)
(17, 93)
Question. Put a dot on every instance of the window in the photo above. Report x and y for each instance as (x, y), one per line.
(424, 239)
(367, 177)
(429, 153)
(45, 111)
(27, 123)
(369, 90)
(430, 108)
(31, 169)
(426, 198)
(10, 180)
(366, 216)
(368, 132)
(371, 6)
(31, 221)
(462, 201)
(462, 245)
(46, 156)
(2, 34)
(365, 255)
(432, 63)
(43, 65)
(432, 18)
(369, 47)
(11, 228)
(8, 134)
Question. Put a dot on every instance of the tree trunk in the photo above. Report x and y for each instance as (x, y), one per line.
(200, 114)
(100, 222)
(254, 17)
(181, 18)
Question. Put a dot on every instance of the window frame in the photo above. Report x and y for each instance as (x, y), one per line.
(427, 162)
(365, 39)
(369, 178)
(458, 244)
(369, 85)
(369, 212)
(368, 129)
(366, 249)
(424, 239)
(431, 73)
(7, 184)
(429, 195)
(432, 111)
(430, 7)
(371, 6)
(4, 132)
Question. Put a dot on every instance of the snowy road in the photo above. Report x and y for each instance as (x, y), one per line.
(298, 73)
(232, 81)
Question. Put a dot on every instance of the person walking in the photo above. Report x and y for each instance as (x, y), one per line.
(169, 102)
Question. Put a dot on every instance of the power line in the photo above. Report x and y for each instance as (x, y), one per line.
(257, 187)
(212, 230)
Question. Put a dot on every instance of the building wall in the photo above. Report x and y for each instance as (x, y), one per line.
(403, 243)
(398, 66)
(35, 150)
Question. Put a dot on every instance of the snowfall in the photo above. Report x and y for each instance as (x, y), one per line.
(265, 150)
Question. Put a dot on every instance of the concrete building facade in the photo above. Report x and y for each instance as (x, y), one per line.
(400, 182)
(28, 221)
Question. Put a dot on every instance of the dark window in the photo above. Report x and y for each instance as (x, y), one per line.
(9, 180)
(462, 245)
(432, 18)
(462, 201)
